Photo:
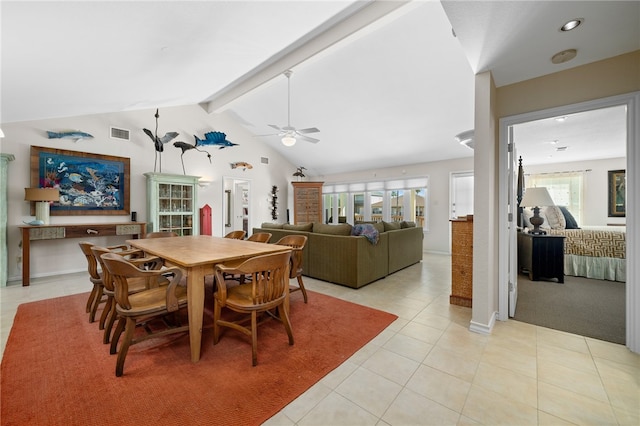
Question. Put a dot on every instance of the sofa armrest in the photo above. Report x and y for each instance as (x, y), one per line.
(405, 247)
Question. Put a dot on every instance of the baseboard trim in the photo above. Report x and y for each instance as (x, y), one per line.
(477, 327)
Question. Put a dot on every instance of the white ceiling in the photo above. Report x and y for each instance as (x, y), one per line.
(393, 93)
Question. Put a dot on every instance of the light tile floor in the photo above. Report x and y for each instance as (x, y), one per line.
(427, 368)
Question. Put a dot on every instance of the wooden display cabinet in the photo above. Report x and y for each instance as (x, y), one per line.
(172, 203)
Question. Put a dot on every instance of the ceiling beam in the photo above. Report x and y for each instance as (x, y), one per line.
(352, 19)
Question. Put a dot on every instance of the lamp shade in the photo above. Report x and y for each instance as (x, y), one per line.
(41, 194)
(288, 140)
(536, 197)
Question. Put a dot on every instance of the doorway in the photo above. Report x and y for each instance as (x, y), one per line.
(631, 102)
(236, 204)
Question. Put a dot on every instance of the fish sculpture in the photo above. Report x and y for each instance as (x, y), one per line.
(186, 147)
(242, 164)
(214, 138)
(77, 135)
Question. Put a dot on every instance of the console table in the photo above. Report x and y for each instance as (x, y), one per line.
(541, 256)
(88, 230)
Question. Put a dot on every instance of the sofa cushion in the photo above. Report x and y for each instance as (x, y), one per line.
(305, 227)
(340, 229)
(405, 224)
(391, 226)
(267, 225)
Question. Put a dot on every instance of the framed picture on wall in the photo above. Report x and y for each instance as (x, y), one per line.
(617, 193)
(89, 184)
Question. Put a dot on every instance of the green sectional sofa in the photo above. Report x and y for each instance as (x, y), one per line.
(332, 254)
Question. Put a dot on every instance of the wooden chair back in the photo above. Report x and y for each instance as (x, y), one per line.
(260, 237)
(297, 242)
(236, 235)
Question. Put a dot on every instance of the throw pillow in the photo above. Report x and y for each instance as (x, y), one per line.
(267, 225)
(570, 221)
(555, 217)
(307, 227)
(405, 224)
(391, 226)
(340, 229)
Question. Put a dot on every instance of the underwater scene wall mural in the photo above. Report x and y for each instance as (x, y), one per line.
(89, 184)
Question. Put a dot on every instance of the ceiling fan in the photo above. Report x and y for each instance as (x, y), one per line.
(289, 133)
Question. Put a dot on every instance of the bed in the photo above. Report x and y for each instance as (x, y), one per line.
(589, 251)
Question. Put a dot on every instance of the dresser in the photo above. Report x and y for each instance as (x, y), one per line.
(541, 256)
(462, 261)
(172, 203)
(307, 202)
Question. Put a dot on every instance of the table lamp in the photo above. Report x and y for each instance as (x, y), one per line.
(536, 198)
(42, 198)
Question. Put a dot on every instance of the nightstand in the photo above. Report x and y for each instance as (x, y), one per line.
(541, 256)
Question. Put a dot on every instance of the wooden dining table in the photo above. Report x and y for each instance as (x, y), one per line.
(198, 255)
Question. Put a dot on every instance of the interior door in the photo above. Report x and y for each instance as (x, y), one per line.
(512, 215)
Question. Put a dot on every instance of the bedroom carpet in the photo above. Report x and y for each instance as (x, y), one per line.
(56, 371)
(588, 307)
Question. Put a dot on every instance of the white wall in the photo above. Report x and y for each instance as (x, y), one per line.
(437, 237)
(63, 256)
(596, 187)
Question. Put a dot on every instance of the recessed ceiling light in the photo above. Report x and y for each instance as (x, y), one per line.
(572, 24)
(564, 56)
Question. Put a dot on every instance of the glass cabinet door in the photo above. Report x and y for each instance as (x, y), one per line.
(172, 204)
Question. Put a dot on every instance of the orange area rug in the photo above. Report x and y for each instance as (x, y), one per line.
(56, 371)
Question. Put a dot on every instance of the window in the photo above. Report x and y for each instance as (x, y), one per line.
(565, 189)
(391, 201)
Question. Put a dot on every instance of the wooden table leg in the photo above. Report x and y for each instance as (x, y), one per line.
(195, 297)
(26, 257)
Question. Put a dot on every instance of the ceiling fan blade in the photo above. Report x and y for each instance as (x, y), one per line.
(275, 127)
(308, 139)
(269, 134)
(309, 130)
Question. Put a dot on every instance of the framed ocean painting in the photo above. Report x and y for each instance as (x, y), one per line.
(617, 193)
(89, 184)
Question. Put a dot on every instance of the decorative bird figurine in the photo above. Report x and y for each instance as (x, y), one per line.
(299, 172)
(186, 147)
(214, 138)
(159, 142)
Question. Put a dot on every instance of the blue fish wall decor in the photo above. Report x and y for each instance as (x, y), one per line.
(214, 138)
(77, 135)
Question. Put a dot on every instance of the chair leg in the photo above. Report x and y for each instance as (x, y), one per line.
(96, 303)
(116, 336)
(254, 338)
(109, 324)
(302, 289)
(217, 309)
(124, 348)
(105, 312)
(284, 317)
(91, 298)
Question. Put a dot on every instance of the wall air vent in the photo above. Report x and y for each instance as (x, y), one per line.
(561, 148)
(122, 134)
(264, 160)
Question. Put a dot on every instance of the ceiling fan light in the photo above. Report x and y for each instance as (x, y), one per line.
(288, 140)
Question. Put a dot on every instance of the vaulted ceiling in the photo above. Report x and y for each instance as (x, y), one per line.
(386, 83)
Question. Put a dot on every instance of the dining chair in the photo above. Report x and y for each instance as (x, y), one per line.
(297, 242)
(144, 305)
(108, 317)
(267, 290)
(96, 297)
(236, 235)
(260, 237)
